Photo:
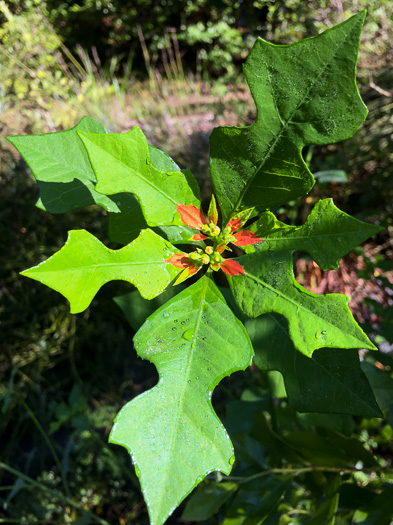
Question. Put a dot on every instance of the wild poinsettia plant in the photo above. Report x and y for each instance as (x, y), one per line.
(305, 94)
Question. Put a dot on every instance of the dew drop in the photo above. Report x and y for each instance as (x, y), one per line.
(174, 328)
(188, 334)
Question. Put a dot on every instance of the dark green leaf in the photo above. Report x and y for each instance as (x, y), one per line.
(125, 225)
(255, 500)
(305, 94)
(171, 431)
(207, 499)
(326, 512)
(331, 381)
(330, 449)
(380, 511)
(381, 382)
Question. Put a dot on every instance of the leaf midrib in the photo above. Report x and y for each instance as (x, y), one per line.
(298, 306)
(284, 124)
(180, 409)
(96, 266)
(138, 175)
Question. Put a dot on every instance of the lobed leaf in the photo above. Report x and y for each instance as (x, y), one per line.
(305, 93)
(122, 164)
(125, 226)
(315, 321)
(174, 436)
(327, 235)
(84, 264)
(330, 382)
(62, 168)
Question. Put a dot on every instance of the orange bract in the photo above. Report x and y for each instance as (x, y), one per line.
(245, 238)
(191, 216)
(232, 267)
(179, 260)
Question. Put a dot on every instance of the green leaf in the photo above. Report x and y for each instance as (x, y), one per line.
(125, 226)
(171, 431)
(136, 309)
(381, 382)
(379, 511)
(122, 164)
(207, 499)
(330, 382)
(305, 93)
(255, 500)
(330, 449)
(327, 235)
(326, 512)
(84, 264)
(62, 168)
(315, 321)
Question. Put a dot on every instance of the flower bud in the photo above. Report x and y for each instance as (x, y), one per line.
(215, 231)
(217, 258)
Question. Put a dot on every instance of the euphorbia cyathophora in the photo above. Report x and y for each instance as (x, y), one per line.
(212, 254)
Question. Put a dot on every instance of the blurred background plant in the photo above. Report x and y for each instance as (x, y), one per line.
(173, 67)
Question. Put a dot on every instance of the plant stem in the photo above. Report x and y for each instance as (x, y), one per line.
(302, 470)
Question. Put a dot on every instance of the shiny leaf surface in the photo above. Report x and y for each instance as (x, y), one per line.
(305, 93)
(327, 235)
(171, 431)
(315, 321)
(84, 264)
(62, 168)
(122, 164)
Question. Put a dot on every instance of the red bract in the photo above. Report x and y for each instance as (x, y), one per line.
(199, 237)
(235, 224)
(232, 267)
(179, 260)
(191, 216)
(245, 238)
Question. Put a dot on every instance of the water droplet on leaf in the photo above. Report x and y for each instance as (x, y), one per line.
(188, 334)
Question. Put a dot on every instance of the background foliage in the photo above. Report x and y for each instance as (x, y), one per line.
(64, 377)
